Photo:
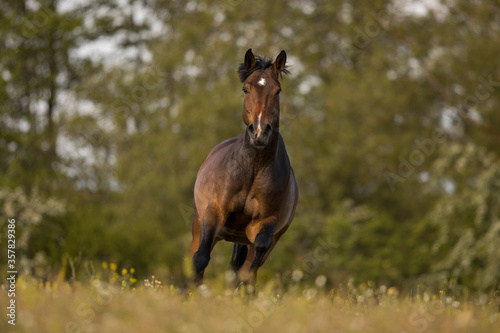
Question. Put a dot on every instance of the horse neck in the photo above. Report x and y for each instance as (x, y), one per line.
(258, 159)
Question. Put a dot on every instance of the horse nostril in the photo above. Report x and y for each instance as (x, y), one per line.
(251, 128)
(268, 129)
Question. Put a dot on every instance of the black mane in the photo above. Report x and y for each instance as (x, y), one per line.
(261, 63)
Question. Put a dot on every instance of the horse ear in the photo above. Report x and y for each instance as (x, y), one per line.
(249, 59)
(279, 63)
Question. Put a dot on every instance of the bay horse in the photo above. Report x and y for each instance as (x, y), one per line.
(245, 191)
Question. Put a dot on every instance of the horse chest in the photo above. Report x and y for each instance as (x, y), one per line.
(257, 199)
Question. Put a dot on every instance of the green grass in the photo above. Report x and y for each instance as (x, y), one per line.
(98, 306)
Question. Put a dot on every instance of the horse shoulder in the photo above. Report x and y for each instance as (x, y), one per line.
(222, 145)
(214, 152)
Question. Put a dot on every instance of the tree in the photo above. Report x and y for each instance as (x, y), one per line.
(42, 125)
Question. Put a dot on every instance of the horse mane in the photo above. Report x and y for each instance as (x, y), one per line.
(261, 63)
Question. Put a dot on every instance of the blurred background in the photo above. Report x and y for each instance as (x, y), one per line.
(390, 116)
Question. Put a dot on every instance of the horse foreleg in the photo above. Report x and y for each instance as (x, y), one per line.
(276, 238)
(262, 243)
(256, 255)
(248, 271)
(208, 229)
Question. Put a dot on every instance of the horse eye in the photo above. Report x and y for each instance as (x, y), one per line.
(245, 90)
(278, 92)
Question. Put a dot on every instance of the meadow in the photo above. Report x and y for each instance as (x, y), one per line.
(390, 116)
(120, 303)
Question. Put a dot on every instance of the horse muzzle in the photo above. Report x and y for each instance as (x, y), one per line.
(260, 134)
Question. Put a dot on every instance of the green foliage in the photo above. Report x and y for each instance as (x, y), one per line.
(117, 139)
(468, 219)
(373, 246)
(29, 213)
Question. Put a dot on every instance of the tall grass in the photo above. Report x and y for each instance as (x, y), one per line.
(117, 305)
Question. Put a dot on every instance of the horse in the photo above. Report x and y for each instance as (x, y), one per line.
(245, 191)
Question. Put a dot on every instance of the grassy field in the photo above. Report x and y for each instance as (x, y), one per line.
(150, 306)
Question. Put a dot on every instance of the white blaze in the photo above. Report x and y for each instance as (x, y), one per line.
(258, 125)
(262, 82)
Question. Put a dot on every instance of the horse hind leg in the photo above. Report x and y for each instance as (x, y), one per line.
(197, 258)
(238, 258)
(195, 233)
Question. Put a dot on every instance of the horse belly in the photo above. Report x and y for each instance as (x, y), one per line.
(287, 210)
